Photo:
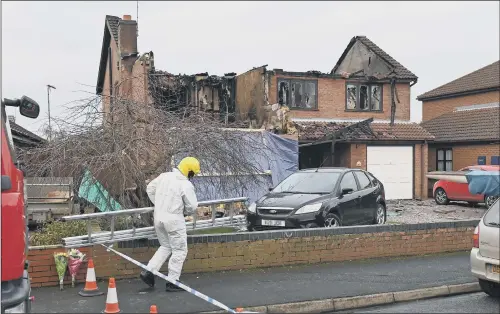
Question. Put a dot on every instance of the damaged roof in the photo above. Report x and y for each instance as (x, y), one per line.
(400, 71)
(313, 131)
(110, 30)
(466, 125)
(482, 80)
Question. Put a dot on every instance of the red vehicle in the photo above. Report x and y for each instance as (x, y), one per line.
(446, 191)
(16, 288)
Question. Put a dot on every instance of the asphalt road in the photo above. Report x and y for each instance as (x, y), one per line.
(269, 286)
(467, 303)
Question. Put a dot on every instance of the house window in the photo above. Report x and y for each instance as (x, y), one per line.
(363, 97)
(298, 94)
(444, 160)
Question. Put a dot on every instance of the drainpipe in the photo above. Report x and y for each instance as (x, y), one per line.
(422, 173)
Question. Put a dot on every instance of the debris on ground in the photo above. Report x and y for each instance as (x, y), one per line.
(415, 211)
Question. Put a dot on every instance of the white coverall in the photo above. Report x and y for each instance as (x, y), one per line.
(172, 195)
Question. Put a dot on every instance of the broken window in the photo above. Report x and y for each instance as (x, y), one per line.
(284, 93)
(363, 97)
(298, 94)
(376, 97)
(352, 91)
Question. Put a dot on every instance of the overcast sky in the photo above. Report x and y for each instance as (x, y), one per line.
(59, 43)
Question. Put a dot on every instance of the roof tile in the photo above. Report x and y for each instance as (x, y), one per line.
(312, 131)
(16, 128)
(113, 22)
(484, 78)
(401, 71)
(467, 125)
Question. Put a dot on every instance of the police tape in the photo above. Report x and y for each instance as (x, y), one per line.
(177, 283)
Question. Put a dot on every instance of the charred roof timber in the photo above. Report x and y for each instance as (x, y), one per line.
(201, 91)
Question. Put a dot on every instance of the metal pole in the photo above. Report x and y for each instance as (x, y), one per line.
(48, 103)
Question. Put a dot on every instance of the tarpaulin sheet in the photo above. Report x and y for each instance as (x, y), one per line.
(266, 152)
(93, 192)
(484, 182)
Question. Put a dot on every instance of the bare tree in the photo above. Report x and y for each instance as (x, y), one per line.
(127, 139)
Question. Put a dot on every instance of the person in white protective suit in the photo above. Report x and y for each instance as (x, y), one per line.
(173, 197)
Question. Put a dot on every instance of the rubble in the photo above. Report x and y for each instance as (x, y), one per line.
(414, 211)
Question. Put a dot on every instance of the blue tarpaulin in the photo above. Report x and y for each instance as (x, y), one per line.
(484, 182)
(273, 157)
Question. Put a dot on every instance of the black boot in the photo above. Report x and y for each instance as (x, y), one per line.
(173, 288)
(148, 278)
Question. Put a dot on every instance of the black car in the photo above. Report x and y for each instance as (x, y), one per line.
(322, 197)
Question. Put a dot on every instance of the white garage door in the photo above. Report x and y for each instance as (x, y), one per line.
(393, 166)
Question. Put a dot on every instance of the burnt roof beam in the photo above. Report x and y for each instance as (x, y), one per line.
(332, 136)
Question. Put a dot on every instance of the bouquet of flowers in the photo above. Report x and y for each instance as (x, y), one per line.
(75, 261)
(61, 260)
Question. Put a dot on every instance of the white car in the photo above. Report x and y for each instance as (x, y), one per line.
(485, 254)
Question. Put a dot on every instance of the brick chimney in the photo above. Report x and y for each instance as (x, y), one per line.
(127, 36)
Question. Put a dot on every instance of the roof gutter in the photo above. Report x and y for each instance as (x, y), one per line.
(459, 94)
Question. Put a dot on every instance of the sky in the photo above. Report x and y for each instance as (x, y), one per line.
(59, 43)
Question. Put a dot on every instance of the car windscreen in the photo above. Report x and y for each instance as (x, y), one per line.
(492, 216)
(308, 182)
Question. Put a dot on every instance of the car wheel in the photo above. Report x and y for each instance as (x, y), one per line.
(381, 215)
(490, 288)
(332, 221)
(441, 197)
(489, 200)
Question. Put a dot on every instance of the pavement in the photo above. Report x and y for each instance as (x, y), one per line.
(467, 303)
(270, 286)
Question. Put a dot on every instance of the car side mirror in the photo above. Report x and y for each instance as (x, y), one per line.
(346, 191)
(270, 189)
(29, 108)
(6, 183)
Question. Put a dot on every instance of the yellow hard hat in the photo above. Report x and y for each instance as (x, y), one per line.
(189, 164)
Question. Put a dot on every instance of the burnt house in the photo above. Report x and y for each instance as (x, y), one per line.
(355, 115)
(127, 74)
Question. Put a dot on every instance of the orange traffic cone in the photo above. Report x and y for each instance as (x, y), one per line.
(91, 289)
(112, 298)
(153, 309)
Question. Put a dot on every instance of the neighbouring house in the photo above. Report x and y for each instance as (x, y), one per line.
(357, 115)
(479, 87)
(22, 138)
(469, 135)
(463, 116)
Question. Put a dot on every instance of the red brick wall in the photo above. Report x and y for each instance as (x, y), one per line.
(434, 108)
(376, 241)
(358, 153)
(421, 165)
(465, 155)
(331, 101)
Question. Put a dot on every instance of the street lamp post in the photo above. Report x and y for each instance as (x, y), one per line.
(48, 103)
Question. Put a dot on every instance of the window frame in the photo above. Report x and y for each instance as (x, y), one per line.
(300, 80)
(358, 89)
(362, 173)
(444, 160)
(355, 181)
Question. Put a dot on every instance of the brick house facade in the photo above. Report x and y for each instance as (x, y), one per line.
(479, 87)
(463, 115)
(343, 118)
(363, 92)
